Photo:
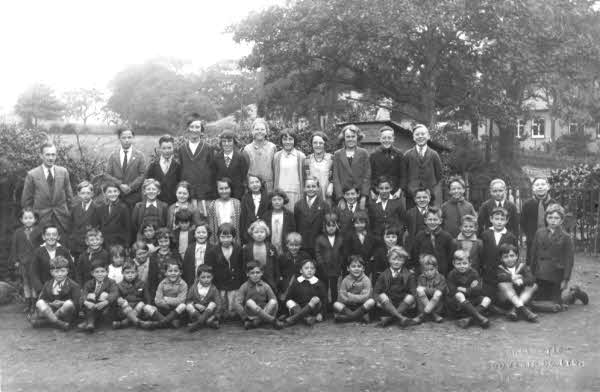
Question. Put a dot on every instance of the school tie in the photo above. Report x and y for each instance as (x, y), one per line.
(227, 161)
(433, 240)
(50, 180)
(109, 208)
(124, 161)
(98, 289)
(28, 234)
(541, 222)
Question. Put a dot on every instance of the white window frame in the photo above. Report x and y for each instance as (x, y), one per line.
(520, 128)
(535, 128)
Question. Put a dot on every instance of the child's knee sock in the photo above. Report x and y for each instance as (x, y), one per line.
(298, 313)
(392, 310)
(131, 315)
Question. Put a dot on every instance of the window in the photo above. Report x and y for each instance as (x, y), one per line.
(572, 127)
(520, 128)
(538, 128)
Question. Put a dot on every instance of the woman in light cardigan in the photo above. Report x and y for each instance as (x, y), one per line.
(288, 168)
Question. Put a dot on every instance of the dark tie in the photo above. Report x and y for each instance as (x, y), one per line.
(227, 161)
(541, 221)
(124, 161)
(350, 160)
(50, 180)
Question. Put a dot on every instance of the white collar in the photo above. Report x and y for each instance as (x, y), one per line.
(312, 280)
(293, 152)
(230, 155)
(166, 160)
(381, 201)
(504, 231)
(151, 203)
(191, 143)
(311, 199)
(200, 245)
(423, 149)
(128, 150)
(48, 170)
(256, 196)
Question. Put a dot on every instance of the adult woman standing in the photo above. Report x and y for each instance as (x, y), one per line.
(351, 166)
(320, 164)
(260, 153)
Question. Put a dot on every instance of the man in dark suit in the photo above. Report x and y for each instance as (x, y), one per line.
(127, 167)
(48, 190)
(231, 163)
(166, 170)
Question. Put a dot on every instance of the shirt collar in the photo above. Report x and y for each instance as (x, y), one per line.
(422, 149)
(312, 280)
(291, 153)
(166, 160)
(230, 154)
(128, 150)
(48, 169)
(251, 283)
(151, 203)
(461, 236)
(504, 231)
(379, 200)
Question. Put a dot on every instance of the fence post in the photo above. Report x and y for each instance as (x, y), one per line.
(597, 221)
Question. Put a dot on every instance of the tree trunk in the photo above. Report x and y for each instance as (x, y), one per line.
(474, 127)
(506, 139)
(488, 142)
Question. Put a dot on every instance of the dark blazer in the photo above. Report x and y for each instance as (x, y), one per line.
(345, 217)
(22, 248)
(529, 216)
(133, 176)
(309, 221)
(504, 275)
(213, 295)
(420, 172)
(384, 282)
(415, 222)
(271, 273)
(168, 181)
(366, 250)
(175, 239)
(81, 221)
(198, 170)
(552, 255)
(247, 215)
(139, 211)
(443, 251)
(49, 204)
(237, 171)
(490, 258)
(289, 267)
(394, 214)
(69, 290)
(356, 175)
(134, 292)
(108, 286)
(485, 211)
(188, 267)
(83, 268)
(289, 223)
(386, 162)
(227, 275)
(156, 269)
(116, 226)
(330, 259)
(40, 265)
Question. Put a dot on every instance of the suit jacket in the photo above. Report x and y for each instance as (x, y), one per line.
(415, 222)
(247, 215)
(443, 250)
(367, 250)
(330, 258)
(504, 274)
(40, 265)
(83, 268)
(552, 255)
(81, 221)
(237, 171)
(357, 175)
(133, 176)
(22, 248)
(485, 211)
(139, 211)
(198, 169)
(227, 275)
(491, 253)
(116, 226)
(213, 295)
(529, 216)
(420, 172)
(289, 223)
(168, 181)
(271, 273)
(386, 163)
(452, 213)
(309, 221)
(49, 204)
(69, 290)
(394, 214)
(108, 286)
(345, 217)
(188, 267)
(156, 269)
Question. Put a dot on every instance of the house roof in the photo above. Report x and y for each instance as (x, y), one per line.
(371, 131)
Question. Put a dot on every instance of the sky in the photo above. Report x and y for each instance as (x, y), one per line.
(70, 44)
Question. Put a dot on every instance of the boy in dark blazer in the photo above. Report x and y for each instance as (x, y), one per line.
(40, 262)
(231, 163)
(346, 214)
(81, 218)
(253, 205)
(113, 218)
(308, 213)
(433, 240)
(387, 160)
(385, 211)
(94, 251)
(98, 297)
(533, 211)
(150, 210)
(415, 216)
(498, 199)
(166, 170)
(126, 167)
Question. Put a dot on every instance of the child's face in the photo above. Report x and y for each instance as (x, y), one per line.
(148, 232)
(112, 194)
(554, 220)
(421, 136)
(141, 255)
(308, 270)
(28, 219)
(277, 202)
(461, 263)
(287, 142)
(385, 189)
(164, 242)
(498, 222)
(85, 194)
(182, 194)
(259, 234)
(422, 199)
(173, 272)
(201, 234)
(356, 269)
(259, 132)
(467, 228)
(184, 225)
(126, 139)
(205, 279)
(457, 191)
(396, 261)
(226, 240)
(541, 188)
(223, 190)
(510, 259)
(117, 260)
(351, 196)
(59, 274)
(51, 236)
(498, 191)
(195, 131)
(99, 273)
(166, 150)
(254, 184)
(331, 228)
(432, 221)
(429, 271)
(151, 191)
(360, 225)
(129, 274)
(350, 138)
(94, 241)
(255, 275)
(386, 138)
(390, 239)
(293, 247)
(311, 188)
(227, 145)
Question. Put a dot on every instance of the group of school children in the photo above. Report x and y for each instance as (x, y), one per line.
(263, 260)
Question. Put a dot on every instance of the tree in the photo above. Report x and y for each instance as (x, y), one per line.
(38, 102)
(84, 103)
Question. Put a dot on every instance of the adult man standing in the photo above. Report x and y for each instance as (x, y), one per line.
(48, 190)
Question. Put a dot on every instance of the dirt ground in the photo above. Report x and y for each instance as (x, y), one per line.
(558, 354)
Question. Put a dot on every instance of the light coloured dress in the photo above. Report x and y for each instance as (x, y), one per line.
(289, 171)
(322, 170)
(261, 161)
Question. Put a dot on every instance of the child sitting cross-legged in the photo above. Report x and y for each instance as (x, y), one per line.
(395, 289)
(59, 298)
(98, 297)
(431, 291)
(306, 296)
(255, 301)
(354, 299)
(170, 298)
(466, 292)
(203, 301)
(133, 296)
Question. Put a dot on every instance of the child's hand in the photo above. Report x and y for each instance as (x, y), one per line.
(101, 305)
(121, 302)
(91, 296)
(474, 284)
(342, 204)
(461, 289)
(200, 307)
(57, 303)
(125, 188)
(89, 304)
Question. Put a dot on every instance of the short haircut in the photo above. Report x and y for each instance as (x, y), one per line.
(183, 215)
(347, 188)
(258, 177)
(59, 262)
(497, 181)
(116, 250)
(204, 268)
(93, 232)
(261, 120)
(356, 259)
(227, 134)
(555, 208)
(499, 211)
(186, 185)
(29, 210)
(434, 211)
(49, 226)
(253, 264)
(146, 225)
(384, 179)
(361, 216)
(259, 224)
(352, 128)
(171, 261)
(393, 229)
(507, 248)
(120, 131)
(419, 126)
(320, 134)
(535, 179)
(46, 145)
(427, 259)
(110, 184)
(166, 139)
(288, 132)
(226, 180)
(305, 261)
(140, 245)
(227, 228)
(194, 117)
(281, 193)
(97, 263)
(163, 232)
(468, 219)
(461, 254)
(330, 217)
(294, 238)
(84, 184)
(312, 178)
(129, 265)
(204, 223)
(150, 181)
(458, 179)
(386, 128)
(421, 190)
(398, 250)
